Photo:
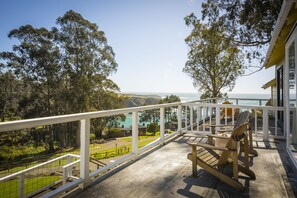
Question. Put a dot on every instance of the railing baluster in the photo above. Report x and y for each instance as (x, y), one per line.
(186, 117)
(191, 118)
(135, 133)
(179, 119)
(218, 117)
(162, 124)
(233, 112)
(204, 115)
(199, 117)
(275, 123)
(21, 186)
(256, 122)
(84, 151)
(265, 125)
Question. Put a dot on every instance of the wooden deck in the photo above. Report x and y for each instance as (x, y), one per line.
(167, 173)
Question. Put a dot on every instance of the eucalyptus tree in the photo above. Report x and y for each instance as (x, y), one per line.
(35, 62)
(9, 92)
(87, 58)
(88, 61)
(248, 23)
(214, 62)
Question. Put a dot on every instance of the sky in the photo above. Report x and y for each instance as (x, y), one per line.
(147, 37)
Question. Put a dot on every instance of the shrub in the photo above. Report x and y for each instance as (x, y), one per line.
(92, 137)
(157, 133)
(149, 134)
(152, 127)
(113, 133)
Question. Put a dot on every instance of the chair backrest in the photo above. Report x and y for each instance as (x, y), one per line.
(242, 118)
(233, 142)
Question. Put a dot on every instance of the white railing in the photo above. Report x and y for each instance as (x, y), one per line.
(84, 119)
(217, 111)
(67, 173)
(186, 122)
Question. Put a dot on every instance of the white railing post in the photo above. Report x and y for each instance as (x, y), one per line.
(179, 119)
(135, 133)
(162, 124)
(265, 125)
(204, 116)
(186, 118)
(233, 112)
(21, 186)
(67, 172)
(256, 123)
(218, 116)
(191, 118)
(84, 151)
(226, 115)
(275, 123)
(198, 117)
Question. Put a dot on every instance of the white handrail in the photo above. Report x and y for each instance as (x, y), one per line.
(30, 123)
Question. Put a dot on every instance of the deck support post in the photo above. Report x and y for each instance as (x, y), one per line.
(84, 152)
(135, 133)
(162, 124)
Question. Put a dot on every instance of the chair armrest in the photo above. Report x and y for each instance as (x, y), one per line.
(218, 136)
(223, 125)
(208, 146)
(225, 130)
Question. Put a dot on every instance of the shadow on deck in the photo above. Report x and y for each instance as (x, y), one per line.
(167, 173)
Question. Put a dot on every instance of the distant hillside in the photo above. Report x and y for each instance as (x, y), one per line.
(135, 100)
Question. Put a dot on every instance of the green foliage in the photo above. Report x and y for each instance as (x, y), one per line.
(170, 99)
(62, 70)
(153, 127)
(214, 62)
(149, 133)
(113, 133)
(248, 23)
(92, 137)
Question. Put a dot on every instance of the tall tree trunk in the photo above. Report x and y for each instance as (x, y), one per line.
(51, 139)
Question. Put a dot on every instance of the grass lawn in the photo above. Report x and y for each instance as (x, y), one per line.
(10, 188)
(112, 151)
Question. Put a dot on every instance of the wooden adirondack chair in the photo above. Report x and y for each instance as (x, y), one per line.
(242, 118)
(212, 158)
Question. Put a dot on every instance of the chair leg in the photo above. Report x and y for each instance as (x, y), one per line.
(235, 165)
(221, 176)
(194, 161)
(251, 147)
(247, 171)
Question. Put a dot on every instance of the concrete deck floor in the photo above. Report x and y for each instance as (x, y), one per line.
(167, 173)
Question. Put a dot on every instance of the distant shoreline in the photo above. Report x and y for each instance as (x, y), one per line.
(195, 96)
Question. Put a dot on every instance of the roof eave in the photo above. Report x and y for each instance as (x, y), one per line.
(282, 17)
